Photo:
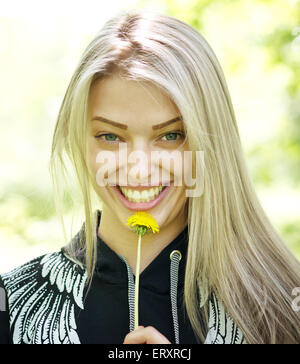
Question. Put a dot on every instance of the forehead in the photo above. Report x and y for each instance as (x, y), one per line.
(127, 101)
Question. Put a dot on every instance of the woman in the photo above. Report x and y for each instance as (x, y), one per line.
(217, 271)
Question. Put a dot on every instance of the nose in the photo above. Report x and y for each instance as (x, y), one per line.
(139, 167)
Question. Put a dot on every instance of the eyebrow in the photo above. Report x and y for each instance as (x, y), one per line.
(124, 126)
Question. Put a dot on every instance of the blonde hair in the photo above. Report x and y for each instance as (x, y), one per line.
(232, 247)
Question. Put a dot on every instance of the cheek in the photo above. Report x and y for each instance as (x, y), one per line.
(103, 165)
(179, 172)
(94, 167)
(181, 195)
(92, 155)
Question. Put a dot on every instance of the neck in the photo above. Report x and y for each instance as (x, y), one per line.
(123, 241)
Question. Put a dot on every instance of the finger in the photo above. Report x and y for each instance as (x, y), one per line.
(148, 335)
(133, 338)
(128, 337)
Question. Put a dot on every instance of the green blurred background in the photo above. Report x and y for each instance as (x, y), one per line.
(258, 45)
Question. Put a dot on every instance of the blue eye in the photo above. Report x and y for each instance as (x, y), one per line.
(109, 138)
(172, 136)
(113, 138)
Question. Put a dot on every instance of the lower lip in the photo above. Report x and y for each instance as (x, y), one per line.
(140, 206)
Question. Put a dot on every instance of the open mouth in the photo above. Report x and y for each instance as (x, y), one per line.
(141, 196)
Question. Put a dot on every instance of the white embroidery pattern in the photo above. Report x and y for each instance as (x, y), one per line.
(221, 328)
(43, 295)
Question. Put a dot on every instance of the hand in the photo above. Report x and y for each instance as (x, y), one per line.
(145, 335)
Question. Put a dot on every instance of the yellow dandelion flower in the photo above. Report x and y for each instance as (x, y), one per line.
(142, 222)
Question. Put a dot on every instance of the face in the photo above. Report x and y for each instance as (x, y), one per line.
(142, 120)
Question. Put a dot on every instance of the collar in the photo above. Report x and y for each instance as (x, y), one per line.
(111, 267)
(156, 276)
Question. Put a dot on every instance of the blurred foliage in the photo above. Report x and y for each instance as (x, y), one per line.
(280, 39)
(290, 233)
(258, 45)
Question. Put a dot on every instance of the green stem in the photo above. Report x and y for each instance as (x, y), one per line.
(137, 278)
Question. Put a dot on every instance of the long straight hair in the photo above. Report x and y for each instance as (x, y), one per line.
(233, 249)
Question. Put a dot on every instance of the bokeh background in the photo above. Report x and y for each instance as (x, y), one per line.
(258, 45)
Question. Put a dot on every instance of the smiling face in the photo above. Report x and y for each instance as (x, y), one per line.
(140, 117)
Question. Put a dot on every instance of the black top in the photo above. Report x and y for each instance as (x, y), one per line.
(48, 301)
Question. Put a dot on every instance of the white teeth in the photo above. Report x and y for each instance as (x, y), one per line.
(141, 196)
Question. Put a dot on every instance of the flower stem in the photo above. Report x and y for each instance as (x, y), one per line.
(137, 278)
